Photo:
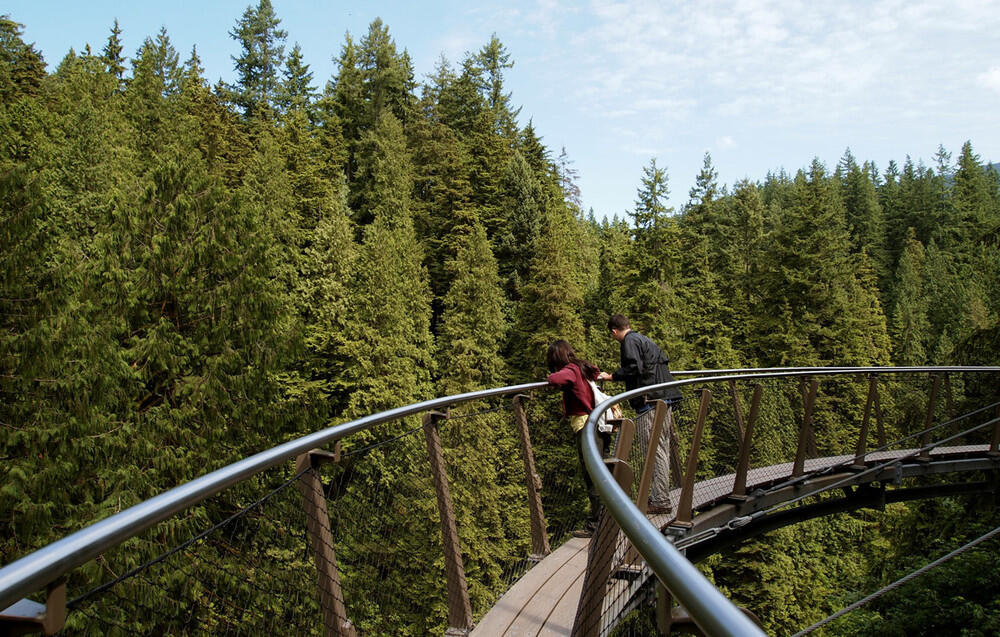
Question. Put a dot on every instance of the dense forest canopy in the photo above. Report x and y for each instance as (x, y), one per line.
(193, 273)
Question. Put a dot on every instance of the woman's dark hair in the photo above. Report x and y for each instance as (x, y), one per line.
(561, 354)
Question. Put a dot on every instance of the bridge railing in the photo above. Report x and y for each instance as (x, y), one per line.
(409, 521)
(744, 442)
(416, 519)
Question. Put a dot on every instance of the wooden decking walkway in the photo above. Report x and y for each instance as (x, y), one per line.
(544, 601)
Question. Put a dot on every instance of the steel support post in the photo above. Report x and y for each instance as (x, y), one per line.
(600, 562)
(652, 445)
(995, 441)
(539, 535)
(335, 621)
(684, 513)
(925, 438)
(862, 446)
(737, 409)
(743, 464)
(459, 607)
(805, 432)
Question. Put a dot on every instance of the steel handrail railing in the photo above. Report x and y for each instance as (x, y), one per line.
(35, 571)
(712, 611)
(44, 566)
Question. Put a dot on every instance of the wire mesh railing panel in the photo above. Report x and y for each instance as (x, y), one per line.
(489, 492)
(801, 426)
(386, 532)
(235, 565)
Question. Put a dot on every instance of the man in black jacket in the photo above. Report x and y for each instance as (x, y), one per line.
(643, 363)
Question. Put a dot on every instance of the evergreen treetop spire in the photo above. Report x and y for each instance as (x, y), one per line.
(261, 58)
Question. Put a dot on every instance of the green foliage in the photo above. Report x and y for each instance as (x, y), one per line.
(190, 275)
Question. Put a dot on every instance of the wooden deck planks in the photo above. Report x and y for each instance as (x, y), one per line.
(543, 602)
(519, 611)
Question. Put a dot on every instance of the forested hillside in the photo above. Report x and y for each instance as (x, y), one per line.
(192, 273)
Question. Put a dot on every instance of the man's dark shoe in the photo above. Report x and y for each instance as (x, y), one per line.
(659, 509)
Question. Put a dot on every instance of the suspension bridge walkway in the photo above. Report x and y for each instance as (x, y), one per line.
(378, 527)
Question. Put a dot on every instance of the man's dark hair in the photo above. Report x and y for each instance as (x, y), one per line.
(618, 322)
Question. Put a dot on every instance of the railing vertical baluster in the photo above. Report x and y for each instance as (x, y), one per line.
(603, 547)
(652, 446)
(862, 447)
(737, 409)
(880, 422)
(539, 536)
(925, 438)
(675, 448)
(995, 441)
(743, 464)
(459, 607)
(949, 404)
(684, 513)
(335, 621)
(805, 432)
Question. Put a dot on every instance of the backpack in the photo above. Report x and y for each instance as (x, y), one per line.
(616, 411)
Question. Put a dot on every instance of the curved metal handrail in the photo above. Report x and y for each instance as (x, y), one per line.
(712, 611)
(42, 567)
(36, 570)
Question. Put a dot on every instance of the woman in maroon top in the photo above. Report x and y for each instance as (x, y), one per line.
(571, 375)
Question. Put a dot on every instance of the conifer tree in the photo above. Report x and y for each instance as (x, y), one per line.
(472, 323)
(864, 213)
(442, 202)
(809, 275)
(653, 264)
(387, 75)
(329, 262)
(389, 340)
(494, 59)
(746, 211)
(974, 204)
(515, 239)
(491, 157)
(21, 66)
(910, 327)
(260, 60)
(296, 90)
(552, 297)
(347, 103)
(609, 296)
(459, 102)
(112, 51)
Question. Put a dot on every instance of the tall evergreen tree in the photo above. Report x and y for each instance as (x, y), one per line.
(390, 340)
(552, 296)
(494, 59)
(112, 54)
(21, 66)
(296, 90)
(473, 326)
(260, 60)
(653, 264)
(864, 213)
(810, 276)
(515, 239)
(910, 327)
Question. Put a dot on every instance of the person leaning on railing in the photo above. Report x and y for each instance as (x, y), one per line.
(643, 363)
(572, 376)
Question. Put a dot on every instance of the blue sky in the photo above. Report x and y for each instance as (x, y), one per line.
(760, 85)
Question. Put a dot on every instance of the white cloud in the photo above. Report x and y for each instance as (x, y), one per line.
(757, 59)
(990, 79)
(725, 142)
